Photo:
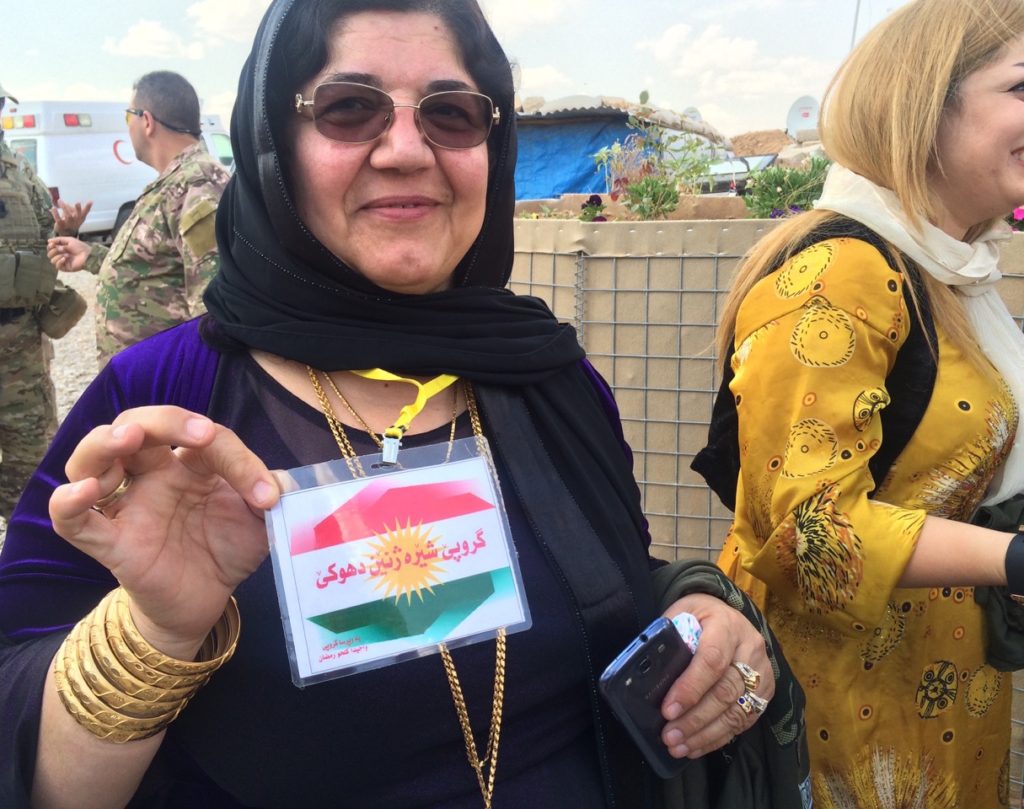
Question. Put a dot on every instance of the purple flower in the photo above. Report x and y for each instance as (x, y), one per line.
(595, 199)
(599, 219)
(776, 213)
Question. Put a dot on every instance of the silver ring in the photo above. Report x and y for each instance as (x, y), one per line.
(751, 677)
(751, 703)
(114, 496)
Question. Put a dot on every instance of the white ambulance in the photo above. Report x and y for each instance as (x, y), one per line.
(81, 150)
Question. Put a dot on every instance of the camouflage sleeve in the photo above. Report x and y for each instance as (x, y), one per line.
(41, 199)
(198, 244)
(97, 252)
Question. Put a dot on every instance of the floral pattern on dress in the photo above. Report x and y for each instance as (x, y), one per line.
(821, 552)
(956, 487)
(824, 336)
(888, 779)
(810, 450)
(886, 636)
(801, 272)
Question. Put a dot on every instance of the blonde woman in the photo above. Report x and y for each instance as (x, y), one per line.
(874, 382)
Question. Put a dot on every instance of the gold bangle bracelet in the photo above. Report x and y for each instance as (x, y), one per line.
(71, 704)
(117, 686)
(225, 632)
(92, 706)
(164, 689)
(109, 694)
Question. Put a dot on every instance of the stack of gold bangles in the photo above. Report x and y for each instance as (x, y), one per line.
(120, 688)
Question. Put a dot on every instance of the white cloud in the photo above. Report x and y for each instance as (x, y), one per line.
(151, 39)
(714, 66)
(731, 9)
(52, 90)
(711, 50)
(236, 21)
(546, 81)
(510, 18)
(220, 104)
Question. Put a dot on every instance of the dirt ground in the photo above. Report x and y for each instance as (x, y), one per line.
(764, 141)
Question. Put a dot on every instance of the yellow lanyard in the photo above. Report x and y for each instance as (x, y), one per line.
(425, 391)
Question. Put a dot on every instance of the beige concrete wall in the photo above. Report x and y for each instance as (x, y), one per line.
(645, 299)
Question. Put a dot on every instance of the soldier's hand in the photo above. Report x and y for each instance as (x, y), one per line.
(67, 254)
(68, 219)
(186, 531)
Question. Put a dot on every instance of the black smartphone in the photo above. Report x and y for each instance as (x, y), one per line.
(635, 683)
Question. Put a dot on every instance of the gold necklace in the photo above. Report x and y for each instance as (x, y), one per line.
(490, 759)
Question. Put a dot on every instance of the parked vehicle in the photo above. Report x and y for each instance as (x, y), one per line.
(81, 150)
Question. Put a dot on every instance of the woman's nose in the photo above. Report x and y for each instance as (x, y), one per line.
(402, 145)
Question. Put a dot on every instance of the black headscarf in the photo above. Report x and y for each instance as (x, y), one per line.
(546, 417)
(280, 290)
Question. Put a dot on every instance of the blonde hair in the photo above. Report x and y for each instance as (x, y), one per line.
(880, 119)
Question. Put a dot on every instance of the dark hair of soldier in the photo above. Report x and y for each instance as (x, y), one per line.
(170, 99)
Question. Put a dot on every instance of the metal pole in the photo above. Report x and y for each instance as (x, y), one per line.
(853, 33)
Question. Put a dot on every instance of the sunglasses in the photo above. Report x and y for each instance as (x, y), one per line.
(357, 113)
(130, 111)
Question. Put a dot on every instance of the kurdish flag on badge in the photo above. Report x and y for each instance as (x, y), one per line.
(379, 567)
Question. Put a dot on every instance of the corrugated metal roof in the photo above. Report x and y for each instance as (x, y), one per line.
(582, 106)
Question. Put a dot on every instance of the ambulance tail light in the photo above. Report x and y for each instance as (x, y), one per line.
(18, 121)
(77, 119)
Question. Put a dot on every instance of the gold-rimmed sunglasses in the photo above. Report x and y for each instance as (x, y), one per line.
(350, 112)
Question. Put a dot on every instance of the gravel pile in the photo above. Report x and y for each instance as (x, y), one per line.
(74, 361)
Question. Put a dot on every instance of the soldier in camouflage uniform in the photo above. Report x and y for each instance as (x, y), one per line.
(28, 288)
(154, 274)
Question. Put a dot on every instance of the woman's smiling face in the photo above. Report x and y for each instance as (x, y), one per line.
(398, 210)
(981, 146)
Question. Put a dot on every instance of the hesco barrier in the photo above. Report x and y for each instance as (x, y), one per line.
(645, 298)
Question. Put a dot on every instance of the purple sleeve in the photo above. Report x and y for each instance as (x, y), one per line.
(47, 585)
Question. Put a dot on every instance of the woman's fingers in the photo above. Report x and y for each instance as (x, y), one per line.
(140, 441)
(228, 458)
(72, 513)
(701, 705)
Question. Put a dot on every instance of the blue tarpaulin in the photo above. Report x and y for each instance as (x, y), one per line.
(557, 158)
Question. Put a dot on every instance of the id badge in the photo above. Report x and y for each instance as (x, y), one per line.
(376, 564)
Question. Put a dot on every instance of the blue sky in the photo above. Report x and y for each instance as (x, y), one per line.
(741, 63)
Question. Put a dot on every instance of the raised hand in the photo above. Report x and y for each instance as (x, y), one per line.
(68, 219)
(186, 530)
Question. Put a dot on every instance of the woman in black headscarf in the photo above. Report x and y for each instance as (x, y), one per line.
(368, 225)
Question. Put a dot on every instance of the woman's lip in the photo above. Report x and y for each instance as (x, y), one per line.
(402, 203)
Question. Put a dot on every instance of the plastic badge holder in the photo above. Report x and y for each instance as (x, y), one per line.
(377, 569)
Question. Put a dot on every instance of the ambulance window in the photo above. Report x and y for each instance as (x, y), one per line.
(26, 147)
(220, 146)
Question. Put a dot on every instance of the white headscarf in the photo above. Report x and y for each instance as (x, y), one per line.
(970, 268)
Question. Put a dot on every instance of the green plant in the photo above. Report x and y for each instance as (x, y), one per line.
(783, 191)
(652, 197)
(652, 165)
(592, 210)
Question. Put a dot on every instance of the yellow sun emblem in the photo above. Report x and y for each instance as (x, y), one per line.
(405, 561)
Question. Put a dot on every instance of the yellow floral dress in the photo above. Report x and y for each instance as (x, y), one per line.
(902, 709)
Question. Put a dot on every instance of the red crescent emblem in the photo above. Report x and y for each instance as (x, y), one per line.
(117, 154)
